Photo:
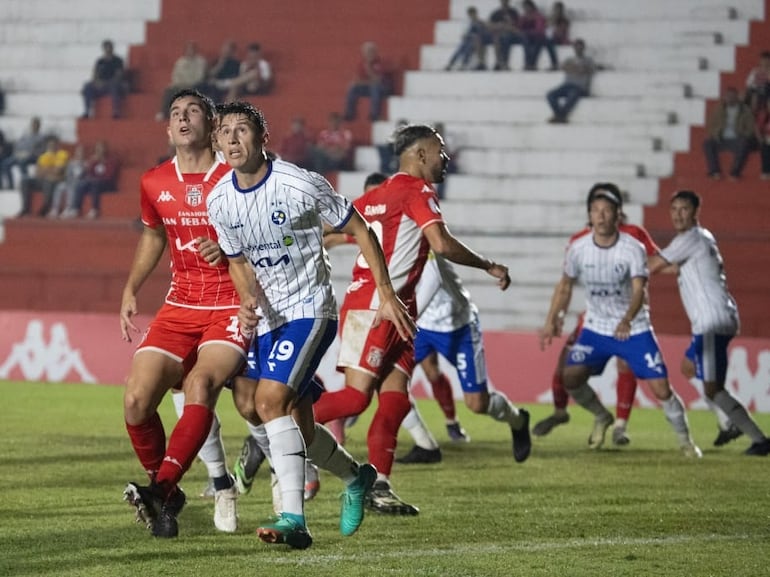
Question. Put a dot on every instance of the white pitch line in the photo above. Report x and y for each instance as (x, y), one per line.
(526, 547)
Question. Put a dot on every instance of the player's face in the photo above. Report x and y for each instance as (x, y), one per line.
(604, 217)
(683, 214)
(436, 159)
(188, 124)
(240, 142)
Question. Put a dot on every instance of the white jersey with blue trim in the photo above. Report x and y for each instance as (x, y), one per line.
(278, 226)
(606, 274)
(702, 282)
(443, 303)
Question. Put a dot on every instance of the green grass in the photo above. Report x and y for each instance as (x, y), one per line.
(643, 510)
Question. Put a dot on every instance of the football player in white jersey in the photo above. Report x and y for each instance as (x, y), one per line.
(448, 324)
(711, 309)
(269, 217)
(612, 266)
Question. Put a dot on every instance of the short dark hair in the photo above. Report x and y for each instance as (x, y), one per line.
(374, 179)
(607, 190)
(407, 135)
(206, 102)
(688, 195)
(251, 112)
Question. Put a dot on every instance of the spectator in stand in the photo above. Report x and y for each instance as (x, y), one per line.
(65, 190)
(557, 32)
(226, 67)
(295, 146)
(473, 43)
(189, 72)
(579, 71)
(388, 159)
(6, 152)
(758, 83)
(504, 33)
(100, 176)
(730, 126)
(533, 27)
(255, 76)
(334, 146)
(371, 80)
(763, 138)
(49, 172)
(108, 78)
(26, 149)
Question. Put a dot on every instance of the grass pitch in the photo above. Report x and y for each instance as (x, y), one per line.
(642, 510)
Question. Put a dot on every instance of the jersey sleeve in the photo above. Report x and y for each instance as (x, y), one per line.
(571, 262)
(423, 208)
(150, 216)
(638, 260)
(333, 208)
(679, 250)
(226, 235)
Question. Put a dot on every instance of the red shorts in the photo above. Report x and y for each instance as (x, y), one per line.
(373, 350)
(179, 332)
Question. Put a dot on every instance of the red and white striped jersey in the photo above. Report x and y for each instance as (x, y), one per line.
(177, 202)
(397, 210)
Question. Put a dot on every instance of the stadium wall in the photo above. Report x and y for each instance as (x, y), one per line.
(87, 348)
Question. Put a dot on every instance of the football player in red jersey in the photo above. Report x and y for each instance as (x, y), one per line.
(195, 337)
(405, 214)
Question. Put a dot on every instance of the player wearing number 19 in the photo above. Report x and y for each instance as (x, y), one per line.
(269, 217)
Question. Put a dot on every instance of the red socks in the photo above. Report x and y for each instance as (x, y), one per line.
(346, 402)
(442, 392)
(383, 432)
(149, 442)
(626, 394)
(560, 395)
(186, 440)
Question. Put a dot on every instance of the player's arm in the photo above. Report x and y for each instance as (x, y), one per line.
(248, 289)
(443, 243)
(391, 307)
(554, 320)
(623, 330)
(658, 264)
(148, 252)
(334, 237)
(209, 250)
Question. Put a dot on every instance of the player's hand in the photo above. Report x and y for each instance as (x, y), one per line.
(248, 317)
(394, 310)
(127, 310)
(548, 332)
(623, 330)
(209, 250)
(500, 272)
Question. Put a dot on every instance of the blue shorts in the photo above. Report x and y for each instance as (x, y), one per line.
(463, 348)
(640, 351)
(291, 354)
(709, 355)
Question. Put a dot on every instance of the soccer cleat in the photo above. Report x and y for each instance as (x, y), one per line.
(760, 449)
(691, 451)
(166, 526)
(542, 428)
(312, 480)
(352, 509)
(522, 441)
(208, 491)
(601, 424)
(383, 500)
(144, 501)
(456, 433)
(247, 464)
(275, 490)
(727, 435)
(226, 510)
(285, 530)
(619, 437)
(420, 455)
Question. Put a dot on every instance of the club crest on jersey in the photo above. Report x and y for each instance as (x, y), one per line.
(278, 217)
(374, 357)
(193, 195)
